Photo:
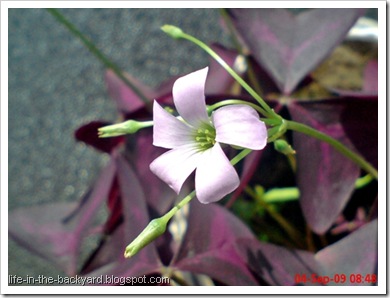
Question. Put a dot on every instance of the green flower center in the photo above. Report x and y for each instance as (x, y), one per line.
(205, 137)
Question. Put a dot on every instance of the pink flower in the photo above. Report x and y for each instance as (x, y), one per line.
(194, 139)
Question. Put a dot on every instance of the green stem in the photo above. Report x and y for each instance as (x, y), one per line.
(236, 101)
(356, 158)
(291, 231)
(281, 195)
(98, 54)
(180, 205)
(240, 156)
(178, 33)
(363, 181)
(278, 195)
(237, 45)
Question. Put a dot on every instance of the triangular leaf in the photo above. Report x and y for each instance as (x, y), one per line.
(209, 245)
(289, 46)
(354, 255)
(279, 266)
(57, 231)
(125, 98)
(109, 258)
(325, 177)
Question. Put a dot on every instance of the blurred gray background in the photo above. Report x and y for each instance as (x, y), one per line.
(56, 85)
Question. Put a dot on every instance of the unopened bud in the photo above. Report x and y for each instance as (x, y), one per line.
(153, 230)
(172, 31)
(283, 147)
(127, 127)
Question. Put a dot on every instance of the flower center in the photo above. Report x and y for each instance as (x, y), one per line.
(205, 137)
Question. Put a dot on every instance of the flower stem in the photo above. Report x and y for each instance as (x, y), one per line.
(180, 205)
(363, 181)
(291, 231)
(356, 158)
(98, 54)
(157, 226)
(281, 195)
(240, 156)
(178, 33)
(237, 102)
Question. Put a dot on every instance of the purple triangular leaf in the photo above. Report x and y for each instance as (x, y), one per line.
(277, 265)
(125, 98)
(218, 79)
(289, 46)
(267, 85)
(160, 196)
(356, 254)
(57, 231)
(109, 258)
(209, 245)
(359, 120)
(371, 77)
(325, 177)
(40, 230)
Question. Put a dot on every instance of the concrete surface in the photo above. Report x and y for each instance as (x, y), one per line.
(56, 85)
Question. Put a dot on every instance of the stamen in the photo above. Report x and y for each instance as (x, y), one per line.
(205, 137)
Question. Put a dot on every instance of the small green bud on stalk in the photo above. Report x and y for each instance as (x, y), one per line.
(283, 147)
(153, 230)
(172, 31)
(127, 127)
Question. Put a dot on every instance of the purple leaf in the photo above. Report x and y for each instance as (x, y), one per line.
(109, 259)
(355, 254)
(56, 231)
(325, 177)
(371, 77)
(125, 98)
(219, 80)
(250, 166)
(158, 194)
(38, 229)
(209, 246)
(277, 265)
(359, 120)
(289, 46)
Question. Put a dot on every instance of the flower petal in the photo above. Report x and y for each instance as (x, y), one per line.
(215, 176)
(189, 98)
(240, 125)
(168, 131)
(174, 166)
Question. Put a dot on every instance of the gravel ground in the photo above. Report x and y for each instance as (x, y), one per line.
(56, 85)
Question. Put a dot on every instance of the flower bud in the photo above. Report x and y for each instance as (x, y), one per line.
(172, 31)
(153, 230)
(283, 147)
(127, 127)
